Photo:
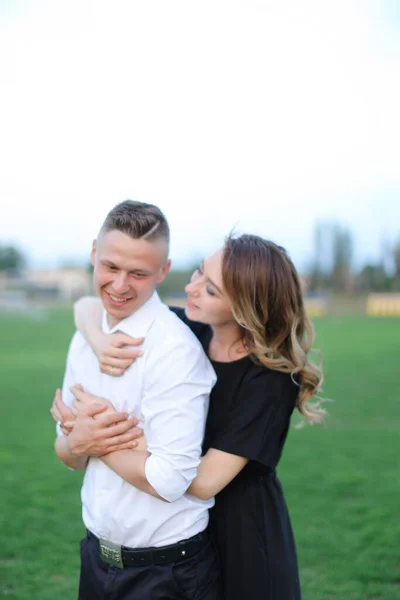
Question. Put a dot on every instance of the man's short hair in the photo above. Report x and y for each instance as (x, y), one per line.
(138, 220)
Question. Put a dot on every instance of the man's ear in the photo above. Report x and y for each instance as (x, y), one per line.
(164, 271)
(93, 253)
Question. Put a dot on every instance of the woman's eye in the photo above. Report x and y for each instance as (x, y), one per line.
(209, 291)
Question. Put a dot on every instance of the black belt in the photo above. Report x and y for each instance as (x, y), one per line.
(121, 556)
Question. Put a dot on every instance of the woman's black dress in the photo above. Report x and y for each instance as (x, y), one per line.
(249, 415)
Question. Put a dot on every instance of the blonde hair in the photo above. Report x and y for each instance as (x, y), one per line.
(264, 290)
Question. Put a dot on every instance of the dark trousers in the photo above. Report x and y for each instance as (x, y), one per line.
(193, 578)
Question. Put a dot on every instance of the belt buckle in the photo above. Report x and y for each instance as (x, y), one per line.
(111, 553)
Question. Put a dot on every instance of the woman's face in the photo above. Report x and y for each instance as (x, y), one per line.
(206, 299)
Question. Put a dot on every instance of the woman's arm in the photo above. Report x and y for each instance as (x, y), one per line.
(130, 465)
(114, 358)
(77, 463)
(87, 316)
(216, 470)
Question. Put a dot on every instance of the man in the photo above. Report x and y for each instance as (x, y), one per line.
(146, 538)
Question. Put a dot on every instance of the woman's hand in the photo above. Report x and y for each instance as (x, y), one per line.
(114, 353)
(84, 399)
(62, 414)
(110, 350)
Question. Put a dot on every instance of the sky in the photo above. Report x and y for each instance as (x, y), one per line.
(254, 115)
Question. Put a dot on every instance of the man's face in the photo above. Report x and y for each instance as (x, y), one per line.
(126, 272)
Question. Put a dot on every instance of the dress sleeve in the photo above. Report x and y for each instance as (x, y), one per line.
(258, 423)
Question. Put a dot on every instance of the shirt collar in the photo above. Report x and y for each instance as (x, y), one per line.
(139, 322)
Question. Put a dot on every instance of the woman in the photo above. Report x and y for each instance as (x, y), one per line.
(245, 305)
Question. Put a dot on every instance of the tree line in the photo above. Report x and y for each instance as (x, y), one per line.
(12, 260)
(331, 267)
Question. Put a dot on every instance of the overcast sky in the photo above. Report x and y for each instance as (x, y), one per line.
(262, 115)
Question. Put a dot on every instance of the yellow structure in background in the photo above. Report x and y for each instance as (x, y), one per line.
(316, 307)
(384, 305)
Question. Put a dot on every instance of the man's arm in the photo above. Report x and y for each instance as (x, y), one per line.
(174, 406)
(127, 464)
(61, 446)
(95, 432)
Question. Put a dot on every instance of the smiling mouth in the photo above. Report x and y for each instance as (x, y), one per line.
(116, 300)
(190, 304)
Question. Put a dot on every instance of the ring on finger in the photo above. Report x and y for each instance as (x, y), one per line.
(111, 369)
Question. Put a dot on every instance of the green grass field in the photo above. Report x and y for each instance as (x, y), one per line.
(342, 481)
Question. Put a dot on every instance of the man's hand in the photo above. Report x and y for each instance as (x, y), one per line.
(94, 434)
(83, 400)
(62, 414)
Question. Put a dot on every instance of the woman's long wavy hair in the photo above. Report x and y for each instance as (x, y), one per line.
(264, 290)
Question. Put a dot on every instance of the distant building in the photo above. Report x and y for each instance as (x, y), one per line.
(383, 305)
(316, 306)
(66, 283)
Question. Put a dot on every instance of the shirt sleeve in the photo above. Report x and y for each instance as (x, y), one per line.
(69, 379)
(258, 423)
(174, 406)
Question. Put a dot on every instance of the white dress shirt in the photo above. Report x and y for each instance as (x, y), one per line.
(167, 389)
